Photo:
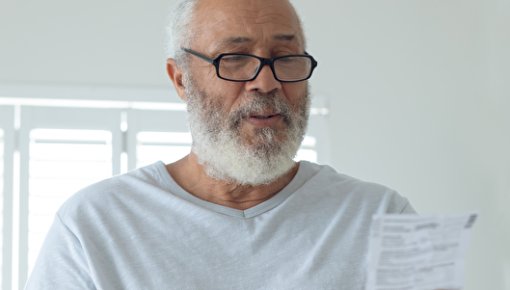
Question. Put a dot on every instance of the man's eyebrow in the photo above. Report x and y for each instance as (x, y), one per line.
(285, 37)
(237, 40)
(232, 41)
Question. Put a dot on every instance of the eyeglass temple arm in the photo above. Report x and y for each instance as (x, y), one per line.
(197, 54)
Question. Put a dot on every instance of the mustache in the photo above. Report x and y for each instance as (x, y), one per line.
(259, 103)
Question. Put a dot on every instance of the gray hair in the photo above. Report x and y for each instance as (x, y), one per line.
(178, 31)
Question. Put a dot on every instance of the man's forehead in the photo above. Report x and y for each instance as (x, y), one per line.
(237, 22)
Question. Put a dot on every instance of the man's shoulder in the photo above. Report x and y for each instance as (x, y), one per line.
(341, 188)
(108, 192)
(327, 176)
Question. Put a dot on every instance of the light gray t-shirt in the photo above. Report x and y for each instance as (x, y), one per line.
(141, 230)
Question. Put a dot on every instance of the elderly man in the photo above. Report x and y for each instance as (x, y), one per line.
(237, 212)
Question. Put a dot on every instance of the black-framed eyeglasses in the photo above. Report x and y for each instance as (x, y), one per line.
(240, 67)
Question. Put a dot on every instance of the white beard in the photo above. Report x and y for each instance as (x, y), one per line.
(219, 145)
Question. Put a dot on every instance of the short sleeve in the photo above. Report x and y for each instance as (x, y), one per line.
(399, 205)
(61, 264)
(407, 208)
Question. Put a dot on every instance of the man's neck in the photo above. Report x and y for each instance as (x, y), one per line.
(191, 176)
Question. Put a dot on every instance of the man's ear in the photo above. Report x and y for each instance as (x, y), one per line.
(175, 74)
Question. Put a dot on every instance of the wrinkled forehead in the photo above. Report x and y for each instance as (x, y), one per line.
(249, 21)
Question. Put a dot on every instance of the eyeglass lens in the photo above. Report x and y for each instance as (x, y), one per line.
(245, 67)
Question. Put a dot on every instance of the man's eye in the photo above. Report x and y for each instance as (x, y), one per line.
(287, 59)
(235, 58)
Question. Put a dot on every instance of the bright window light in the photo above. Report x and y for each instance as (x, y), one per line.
(165, 146)
(308, 151)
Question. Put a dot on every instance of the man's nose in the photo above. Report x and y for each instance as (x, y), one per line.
(265, 81)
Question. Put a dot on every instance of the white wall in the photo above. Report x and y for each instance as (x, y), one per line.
(83, 42)
(419, 91)
(420, 99)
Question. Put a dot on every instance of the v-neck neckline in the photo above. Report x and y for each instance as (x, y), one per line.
(265, 206)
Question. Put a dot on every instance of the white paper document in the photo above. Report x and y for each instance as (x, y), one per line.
(413, 252)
